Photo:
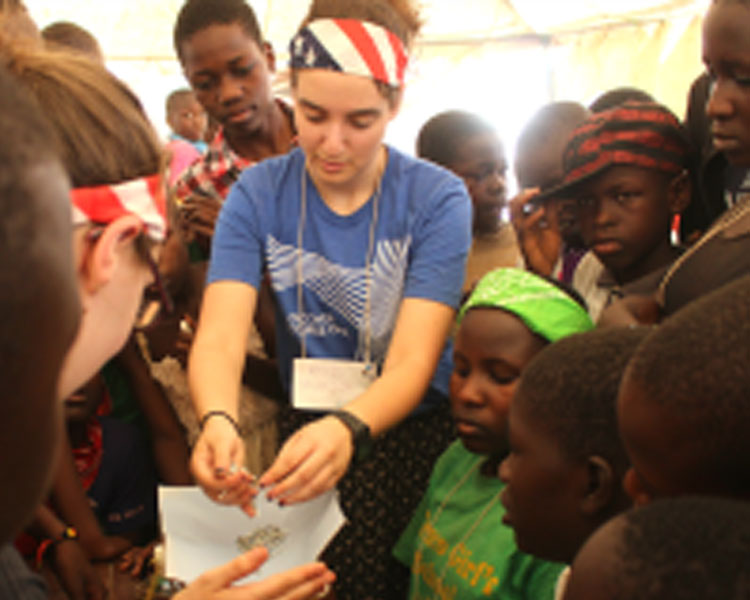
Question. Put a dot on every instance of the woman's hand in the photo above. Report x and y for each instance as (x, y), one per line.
(311, 462)
(307, 581)
(217, 462)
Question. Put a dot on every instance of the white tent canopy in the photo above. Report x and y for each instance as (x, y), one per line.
(500, 58)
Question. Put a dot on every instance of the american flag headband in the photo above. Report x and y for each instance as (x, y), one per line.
(144, 198)
(350, 46)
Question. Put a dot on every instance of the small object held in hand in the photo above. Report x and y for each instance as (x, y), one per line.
(269, 537)
(221, 495)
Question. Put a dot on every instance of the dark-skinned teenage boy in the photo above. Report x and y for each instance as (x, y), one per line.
(627, 170)
(566, 463)
(682, 408)
(470, 147)
(229, 68)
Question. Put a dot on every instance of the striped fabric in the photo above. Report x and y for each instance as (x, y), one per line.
(144, 198)
(641, 134)
(350, 46)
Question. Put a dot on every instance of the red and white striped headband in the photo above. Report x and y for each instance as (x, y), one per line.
(350, 46)
(144, 198)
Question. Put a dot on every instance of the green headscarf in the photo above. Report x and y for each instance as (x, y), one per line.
(543, 307)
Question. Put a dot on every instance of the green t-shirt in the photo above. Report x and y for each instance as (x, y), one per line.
(463, 550)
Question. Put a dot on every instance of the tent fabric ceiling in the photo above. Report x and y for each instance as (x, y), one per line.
(140, 29)
(502, 59)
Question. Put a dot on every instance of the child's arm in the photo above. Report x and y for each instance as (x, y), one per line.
(73, 508)
(67, 557)
(170, 447)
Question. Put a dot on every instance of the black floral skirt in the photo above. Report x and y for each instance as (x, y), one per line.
(378, 498)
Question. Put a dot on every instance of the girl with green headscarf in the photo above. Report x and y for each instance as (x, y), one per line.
(456, 544)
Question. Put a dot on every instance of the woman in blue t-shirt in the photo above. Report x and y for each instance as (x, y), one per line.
(365, 249)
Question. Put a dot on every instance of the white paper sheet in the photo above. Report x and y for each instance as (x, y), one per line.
(201, 534)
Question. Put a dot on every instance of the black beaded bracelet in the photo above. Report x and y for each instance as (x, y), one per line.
(219, 413)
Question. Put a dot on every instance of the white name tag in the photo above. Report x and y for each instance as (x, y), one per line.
(328, 383)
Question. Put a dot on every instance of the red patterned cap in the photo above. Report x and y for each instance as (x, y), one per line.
(639, 134)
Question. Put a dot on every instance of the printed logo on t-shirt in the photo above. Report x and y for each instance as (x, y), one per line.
(343, 290)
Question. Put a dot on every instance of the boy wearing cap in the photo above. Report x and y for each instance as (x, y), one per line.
(626, 168)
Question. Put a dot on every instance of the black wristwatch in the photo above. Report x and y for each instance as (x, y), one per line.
(361, 437)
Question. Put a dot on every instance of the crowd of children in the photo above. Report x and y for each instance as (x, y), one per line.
(578, 433)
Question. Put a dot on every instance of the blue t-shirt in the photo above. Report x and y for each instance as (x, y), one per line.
(422, 238)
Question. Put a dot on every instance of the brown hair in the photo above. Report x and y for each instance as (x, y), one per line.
(102, 131)
(400, 17)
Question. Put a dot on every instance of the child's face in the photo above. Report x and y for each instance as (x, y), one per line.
(188, 119)
(726, 54)
(480, 161)
(625, 217)
(230, 75)
(491, 349)
(542, 491)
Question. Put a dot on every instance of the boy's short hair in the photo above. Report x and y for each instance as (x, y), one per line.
(439, 138)
(638, 134)
(696, 366)
(196, 15)
(67, 35)
(616, 96)
(570, 390)
(687, 548)
(175, 99)
(543, 139)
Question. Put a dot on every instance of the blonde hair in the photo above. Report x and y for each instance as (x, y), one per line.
(103, 134)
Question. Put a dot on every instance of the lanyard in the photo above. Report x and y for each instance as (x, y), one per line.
(368, 269)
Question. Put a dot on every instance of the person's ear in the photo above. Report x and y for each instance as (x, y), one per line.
(601, 486)
(269, 55)
(102, 255)
(634, 488)
(679, 193)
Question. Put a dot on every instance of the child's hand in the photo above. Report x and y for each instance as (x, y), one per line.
(311, 461)
(198, 216)
(307, 581)
(537, 231)
(136, 559)
(75, 573)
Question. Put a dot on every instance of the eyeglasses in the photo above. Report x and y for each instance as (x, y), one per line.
(156, 302)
